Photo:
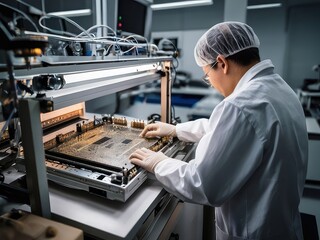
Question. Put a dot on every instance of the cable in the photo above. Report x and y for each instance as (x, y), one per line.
(88, 37)
(177, 61)
(43, 5)
(97, 26)
(5, 126)
(22, 13)
(163, 40)
(134, 37)
(82, 39)
(130, 41)
(48, 16)
(26, 4)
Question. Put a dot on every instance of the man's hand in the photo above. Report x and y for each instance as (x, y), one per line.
(158, 129)
(146, 158)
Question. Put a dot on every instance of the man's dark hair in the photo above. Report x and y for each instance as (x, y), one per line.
(246, 57)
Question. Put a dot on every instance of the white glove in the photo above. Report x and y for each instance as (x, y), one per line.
(158, 129)
(147, 159)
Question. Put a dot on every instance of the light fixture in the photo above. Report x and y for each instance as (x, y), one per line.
(182, 4)
(96, 74)
(260, 6)
(73, 13)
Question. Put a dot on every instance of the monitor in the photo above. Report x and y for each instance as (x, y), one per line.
(134, 17)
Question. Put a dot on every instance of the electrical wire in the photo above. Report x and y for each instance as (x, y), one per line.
(97, 26)
(93, 38)
(48, 16)
(177, 63)
(163, 40)
(22, 13)
(89, 37)
(96, 41)
(86, 35)
(5, 126)
(26, 4)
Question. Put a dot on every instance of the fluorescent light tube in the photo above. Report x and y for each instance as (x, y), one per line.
(260, 6)
(96, 74)
(73, 13)
(182, 4)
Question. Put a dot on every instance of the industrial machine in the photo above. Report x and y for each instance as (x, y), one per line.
(89, 152)
(93, 155)
(96, 149)
(47, 133)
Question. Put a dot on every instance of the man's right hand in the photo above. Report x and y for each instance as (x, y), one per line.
(158, 129)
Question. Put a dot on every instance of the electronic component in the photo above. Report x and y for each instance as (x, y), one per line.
(95, 156)
(74, 49)
(48, 82)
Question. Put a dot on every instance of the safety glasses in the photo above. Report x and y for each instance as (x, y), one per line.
(205, 78)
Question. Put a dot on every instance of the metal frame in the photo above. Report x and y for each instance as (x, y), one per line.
(29, 112)
(166, 93)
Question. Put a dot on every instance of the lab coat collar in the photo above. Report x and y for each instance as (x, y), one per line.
(253, 72)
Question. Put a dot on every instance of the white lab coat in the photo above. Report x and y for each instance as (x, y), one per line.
(250, 162)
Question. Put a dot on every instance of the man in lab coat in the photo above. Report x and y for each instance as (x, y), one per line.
(251, 158)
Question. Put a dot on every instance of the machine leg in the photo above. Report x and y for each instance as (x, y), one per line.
(29, 113)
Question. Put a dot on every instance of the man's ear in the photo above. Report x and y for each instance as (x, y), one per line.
(224, 63)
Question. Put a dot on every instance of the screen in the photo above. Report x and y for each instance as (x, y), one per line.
(131, 17)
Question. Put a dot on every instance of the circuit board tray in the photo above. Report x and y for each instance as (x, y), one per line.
(95, 157)
(106, 145)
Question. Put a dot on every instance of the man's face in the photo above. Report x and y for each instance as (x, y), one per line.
(213, 76)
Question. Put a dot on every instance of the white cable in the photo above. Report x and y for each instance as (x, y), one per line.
(89, 38)
(97, 26)
(53, 30)
(128, 50)
(22, 13)
(86, 40)
(136, 35)
(48, 16)
(56, 31)
(167, 40)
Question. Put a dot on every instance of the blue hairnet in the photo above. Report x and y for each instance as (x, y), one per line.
(224, 39)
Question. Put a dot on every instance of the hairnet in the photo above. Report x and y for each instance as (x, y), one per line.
(226, 39)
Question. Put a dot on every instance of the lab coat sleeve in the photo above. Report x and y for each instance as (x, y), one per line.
(226, 156)
(192, 131)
